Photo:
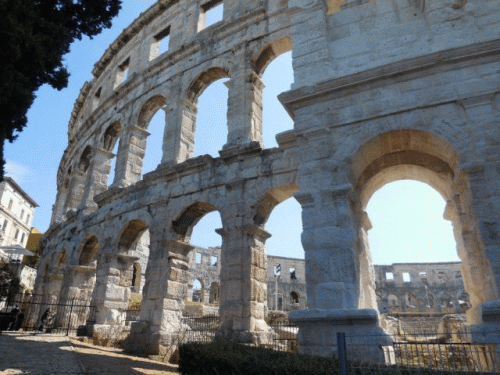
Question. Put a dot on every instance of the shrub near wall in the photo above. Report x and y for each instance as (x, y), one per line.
(226, 358)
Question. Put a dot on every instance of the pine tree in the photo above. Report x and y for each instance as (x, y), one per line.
(35, 36)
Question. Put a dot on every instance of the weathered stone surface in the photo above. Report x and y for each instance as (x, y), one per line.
(384, 90)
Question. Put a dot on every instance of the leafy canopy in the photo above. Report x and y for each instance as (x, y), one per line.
(35, 36)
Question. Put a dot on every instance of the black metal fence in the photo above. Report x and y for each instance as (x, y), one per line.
(39, 313)
(199, 329)
(284, 336)
(441, 352)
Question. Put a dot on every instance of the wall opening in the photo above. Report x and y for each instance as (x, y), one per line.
(160, 43)
(211, 122)
(211, 12)
(152, 118)
(278, 78)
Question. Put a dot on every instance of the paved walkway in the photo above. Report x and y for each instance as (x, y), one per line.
(48, 355)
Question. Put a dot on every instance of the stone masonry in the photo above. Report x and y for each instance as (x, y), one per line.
(383, 90)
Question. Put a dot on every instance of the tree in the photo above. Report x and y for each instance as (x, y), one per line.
(35, 36)
(9, 282)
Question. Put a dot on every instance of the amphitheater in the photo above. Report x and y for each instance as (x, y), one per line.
(383, 90)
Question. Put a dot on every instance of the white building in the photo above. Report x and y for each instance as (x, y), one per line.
(16, 214)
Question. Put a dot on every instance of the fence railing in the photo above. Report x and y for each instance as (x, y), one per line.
(441, 352)
(41, 313)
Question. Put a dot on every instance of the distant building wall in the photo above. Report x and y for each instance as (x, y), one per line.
(400, 287)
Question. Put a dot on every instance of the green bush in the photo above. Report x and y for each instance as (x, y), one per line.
(227, 358)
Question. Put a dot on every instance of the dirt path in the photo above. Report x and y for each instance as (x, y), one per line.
(22, 354)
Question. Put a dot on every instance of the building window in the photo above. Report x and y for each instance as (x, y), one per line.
(389, 276)
(214, 261)
(10, 204)
(406, 277)
(17, 234)
(22, 214)
(5, 225)
(210, 13)
(160, 44)
(293, 275)
(28, 217)
(22, 238)
(122, 74)
(198, 258)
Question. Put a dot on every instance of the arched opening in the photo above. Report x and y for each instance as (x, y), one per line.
(84, 162)
(197, 291)
(89, 252)
(274, 65)
(294, 296)
(280, 215)
(152, 117)
(426, 158)
(214, 298)
(209, 96)
(110, 143)
(197, 225)
(134, 242)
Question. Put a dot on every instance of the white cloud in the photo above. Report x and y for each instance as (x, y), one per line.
(17, 171)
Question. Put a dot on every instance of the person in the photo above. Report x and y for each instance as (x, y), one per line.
(43, 319)
(13, 318)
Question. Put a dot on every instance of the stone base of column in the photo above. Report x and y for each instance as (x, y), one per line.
(247, 337)
(318, 330)
(107, 334)
(145, 339)
(488, 333)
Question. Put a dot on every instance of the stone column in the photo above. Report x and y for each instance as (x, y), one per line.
(77, 285)
(53, 286)
(178, 141)
(165, 288)
(367, 295)
(331, 241)
(75, 191)
(130, 157)
(244, 112)
(97, 178)
(244, 284)
(112, 291)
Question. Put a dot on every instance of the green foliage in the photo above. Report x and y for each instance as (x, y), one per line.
(9, 282)
(135, 300)
(35, 35)
(228, 358)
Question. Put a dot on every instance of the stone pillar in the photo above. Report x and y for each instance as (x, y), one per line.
(75, 191)
(97, 178)
(77, 285)
(112, 291)
(244, 284)
(488, 333)
(178, 141)
(165, 288)
(367, 295)
(244, 112)
(332, 245)
(130, 157)
(53, 286)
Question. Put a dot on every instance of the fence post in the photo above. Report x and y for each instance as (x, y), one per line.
(70, 314)
(341, 350)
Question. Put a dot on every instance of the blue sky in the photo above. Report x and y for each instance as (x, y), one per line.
(406, 216)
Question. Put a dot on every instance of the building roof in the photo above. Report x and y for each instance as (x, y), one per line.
(11, 181)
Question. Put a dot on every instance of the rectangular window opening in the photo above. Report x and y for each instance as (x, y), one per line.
(122, 74)
(389, 276)
(28, 219)
(210, 13)
(198, 258)
(10, 204)
(213, 261)
(160, 44)
(22, 214)
(406, 277)
(5, 224)
(293, 275)
(17, 234)
(22, 238)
